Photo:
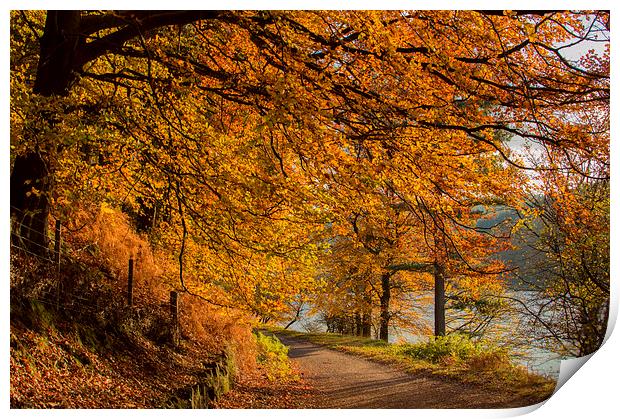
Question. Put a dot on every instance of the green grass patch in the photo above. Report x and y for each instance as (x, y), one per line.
(454, 356)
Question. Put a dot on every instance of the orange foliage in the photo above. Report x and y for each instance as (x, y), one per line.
(247, 140)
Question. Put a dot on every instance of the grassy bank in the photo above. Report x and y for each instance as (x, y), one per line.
(85, 348)
(454, 357)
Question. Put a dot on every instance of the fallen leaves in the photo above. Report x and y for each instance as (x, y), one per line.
(132, 374)
(258, 392)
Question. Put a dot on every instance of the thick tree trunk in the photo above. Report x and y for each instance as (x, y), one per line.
(384, 317)
(30, 185)
(31, 179)
(440, 300)
(59, 49)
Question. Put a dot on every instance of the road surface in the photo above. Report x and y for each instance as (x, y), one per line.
(348, 381)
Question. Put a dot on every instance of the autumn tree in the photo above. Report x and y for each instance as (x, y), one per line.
(179, 159)
(63, 52)
(565, 224)
(367, 271)
(568, 238)
(398, 45)
(233, 122)
(387, 242)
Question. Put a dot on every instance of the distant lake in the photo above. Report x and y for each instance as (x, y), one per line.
(537, 360)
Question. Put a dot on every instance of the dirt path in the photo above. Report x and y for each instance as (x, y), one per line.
(346, 381)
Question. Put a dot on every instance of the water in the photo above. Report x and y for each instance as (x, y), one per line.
(535, 359)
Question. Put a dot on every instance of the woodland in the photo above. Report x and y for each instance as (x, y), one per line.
(376, 169)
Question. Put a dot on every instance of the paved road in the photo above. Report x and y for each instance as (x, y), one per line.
(347, 381)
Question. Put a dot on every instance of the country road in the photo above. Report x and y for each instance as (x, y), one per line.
(348, 381)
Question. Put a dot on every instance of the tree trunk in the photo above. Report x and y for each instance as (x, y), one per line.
(440, 300)
(297, 315)
(367, 315)
(385, 307)
(59, 49)
(30, 185)
(358, 324)
(366, 324)
(30, 207)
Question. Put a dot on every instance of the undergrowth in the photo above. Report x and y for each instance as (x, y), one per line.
(272, 356)
(76, 343)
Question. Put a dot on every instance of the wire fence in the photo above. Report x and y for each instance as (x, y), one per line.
(50, 251)
(34, 242)
(30, 253)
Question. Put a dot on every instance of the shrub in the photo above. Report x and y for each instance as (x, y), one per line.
(273, 357)
(455, 346)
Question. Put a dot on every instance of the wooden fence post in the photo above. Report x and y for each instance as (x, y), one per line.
(174, 312)
(57, 261)
(440, 300)
(130, 283)
(57, 243)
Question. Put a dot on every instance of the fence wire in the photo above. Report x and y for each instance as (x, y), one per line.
(61, 298)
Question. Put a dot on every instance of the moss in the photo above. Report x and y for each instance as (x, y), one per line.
(42, 317)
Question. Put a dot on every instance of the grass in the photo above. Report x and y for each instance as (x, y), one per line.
(454, 357)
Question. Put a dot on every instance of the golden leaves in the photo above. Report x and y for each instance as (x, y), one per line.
(257, 129)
